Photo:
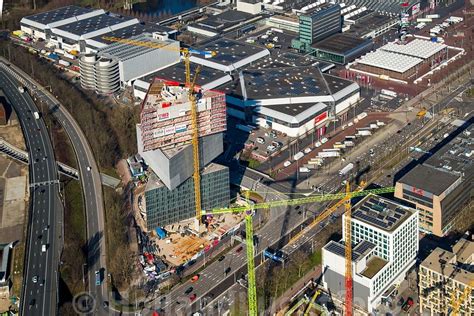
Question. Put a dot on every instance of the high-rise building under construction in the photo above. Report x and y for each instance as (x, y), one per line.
(164, 138)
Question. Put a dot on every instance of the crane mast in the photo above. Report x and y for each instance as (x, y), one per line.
(348, 251)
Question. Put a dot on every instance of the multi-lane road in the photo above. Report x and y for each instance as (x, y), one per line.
(39, 295)
(91, 186)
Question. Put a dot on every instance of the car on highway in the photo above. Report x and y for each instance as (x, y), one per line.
(227, 270)
(221, 258)
(195, 278)
(192, 297)
(239, 249)
(35, 279)
(43, 248)
(188, 290)
(97, 278)
(105, 304)
(88, 168)
(32, 302)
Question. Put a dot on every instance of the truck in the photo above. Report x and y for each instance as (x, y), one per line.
(36, 115)
(21, 89)
(346, 169)
(349, 143)
(339, 145)
(364, 133)
(373, 126)
(327, 154)
(389, 93)
(298, 156)
(64, 63)
(275, 255)
(432, 16)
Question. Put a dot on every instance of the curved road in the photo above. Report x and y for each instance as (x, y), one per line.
(39, 293)
(91, 186)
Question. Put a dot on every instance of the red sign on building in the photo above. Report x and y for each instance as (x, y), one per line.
(417, 191)
(321, 117)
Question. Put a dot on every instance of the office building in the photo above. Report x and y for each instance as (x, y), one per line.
(164, 206)
(250, 6)
(340, 48)
(318, 24)
(223, 22)
(165, 132)
(384, 246)
(446, 277)
(441, 186)
(118, 64)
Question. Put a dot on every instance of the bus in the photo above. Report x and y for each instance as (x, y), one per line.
(275, 255)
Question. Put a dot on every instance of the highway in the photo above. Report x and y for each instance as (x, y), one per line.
(43, 246)
(92, 190)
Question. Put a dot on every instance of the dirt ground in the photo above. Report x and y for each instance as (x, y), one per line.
(123, 171)
(13, 198)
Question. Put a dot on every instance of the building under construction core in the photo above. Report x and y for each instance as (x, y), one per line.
(166, 115)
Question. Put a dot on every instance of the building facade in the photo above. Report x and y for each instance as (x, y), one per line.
(318, 24)
(164, 206)
(441, 186)
(446, 277)
(385, 245)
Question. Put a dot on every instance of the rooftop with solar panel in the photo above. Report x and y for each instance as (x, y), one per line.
(381, 213)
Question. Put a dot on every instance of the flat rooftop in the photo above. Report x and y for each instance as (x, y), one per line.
(125, 51)
(229, 51)
(429, 179)
(368, 24)
(60, 14)
(361, 250)
(293, 109)
(176, 72)
(285, 82)
(447, 263)
(389, 61)
(131, 31)
(416, 48)
(221, 21)
(380, 213)
(341, 43)
(446, 166)
(94, 23)
(154, 181)
(374, 265)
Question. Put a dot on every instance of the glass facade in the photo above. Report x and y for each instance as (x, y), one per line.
(164, 206)
(320, 24)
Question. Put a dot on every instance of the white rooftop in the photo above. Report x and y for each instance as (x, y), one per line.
(416, 48)
(390, 61)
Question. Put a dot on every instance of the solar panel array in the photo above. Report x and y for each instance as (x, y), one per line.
(338, 248)
(379, 213)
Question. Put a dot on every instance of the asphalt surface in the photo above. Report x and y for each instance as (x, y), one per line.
(39, 295)
(93, 199)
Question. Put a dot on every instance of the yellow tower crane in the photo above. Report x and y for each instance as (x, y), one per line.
(456, 303)
(186, 53)
(249, 209)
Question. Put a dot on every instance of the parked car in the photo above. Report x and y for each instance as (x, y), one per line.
(195, 278)
(192, 297)
(287, 163)
(188, 290)
(324, 140)
(260, 140)
(307, 150)
(408, 304)
(317, 144)
(239, 249)
(221, 258)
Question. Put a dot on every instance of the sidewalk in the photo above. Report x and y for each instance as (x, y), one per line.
(280, 305)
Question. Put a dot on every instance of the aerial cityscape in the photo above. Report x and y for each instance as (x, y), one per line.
(237, 157)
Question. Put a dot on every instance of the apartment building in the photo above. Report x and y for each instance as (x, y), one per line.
(446, 280)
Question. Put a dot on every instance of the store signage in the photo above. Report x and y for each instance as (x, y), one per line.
(417, 191)
(321, 117)
(415, 9)
(169, 130)
(163, 116)
(158, 133)
(181, 128)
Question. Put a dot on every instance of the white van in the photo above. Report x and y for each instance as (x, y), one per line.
(43, 248)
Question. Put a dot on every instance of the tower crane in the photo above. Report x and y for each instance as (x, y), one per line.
(456, 303)
(348, 251)
(186, 53)
(249, 210)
